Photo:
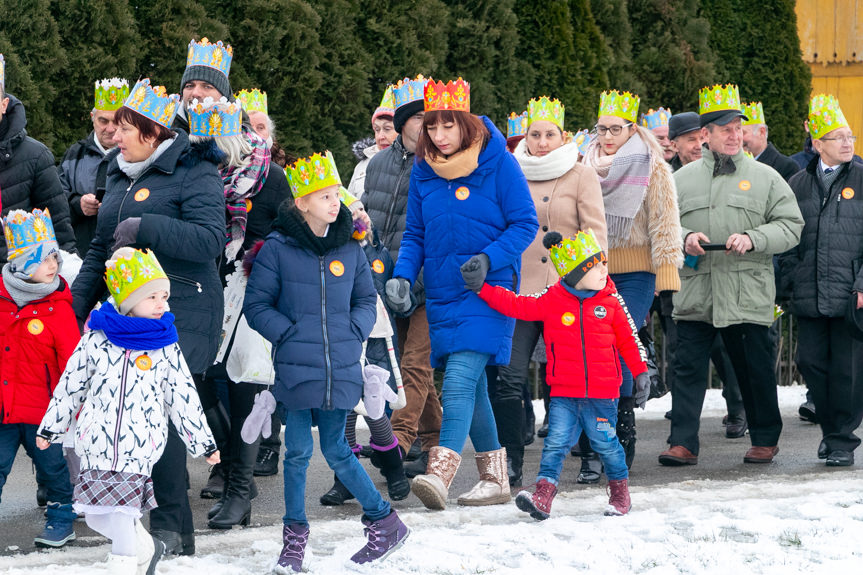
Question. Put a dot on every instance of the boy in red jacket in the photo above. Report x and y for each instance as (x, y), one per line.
(38, 333)
(586, 328)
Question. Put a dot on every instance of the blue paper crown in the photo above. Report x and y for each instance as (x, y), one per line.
(153, 103)
(407, 90)
(24, 229)
(582, 140)
(516, 125)
(652, 119)
(218, 55)
(215, 119)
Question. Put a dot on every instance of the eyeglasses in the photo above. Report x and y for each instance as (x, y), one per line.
(843, 139)
(615, 130)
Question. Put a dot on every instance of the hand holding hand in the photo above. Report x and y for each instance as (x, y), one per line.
(473, 271)
(399, 295)
(42, 443)
(692, 244)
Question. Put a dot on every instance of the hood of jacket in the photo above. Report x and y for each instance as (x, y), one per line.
(291, 224)
(360, 148)
(12, 127)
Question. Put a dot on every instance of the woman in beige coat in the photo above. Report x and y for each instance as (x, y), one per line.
(567, 197)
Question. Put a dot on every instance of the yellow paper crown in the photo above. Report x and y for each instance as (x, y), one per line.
(544, 108)
(387, 107)
(613, 103)
(126, 274)
(24, 229)
(718, 98)
(311, 174)
(825, 115)
(153, 102)
(252, 100)
(214, 118)
(205, 53)
(571, 253)
(2, 75)
(454, 96)
(754, 113)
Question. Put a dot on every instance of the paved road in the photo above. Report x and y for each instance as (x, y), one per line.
(721, 459)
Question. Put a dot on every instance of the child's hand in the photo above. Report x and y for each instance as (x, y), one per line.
(42, 443)
(214, 458)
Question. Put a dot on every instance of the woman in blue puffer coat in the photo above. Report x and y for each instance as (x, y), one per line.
(469, 208)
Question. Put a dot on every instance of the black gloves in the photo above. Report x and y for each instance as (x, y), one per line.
(126, 233)
(474, 271)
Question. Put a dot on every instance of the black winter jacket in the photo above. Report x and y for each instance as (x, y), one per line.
(822, 271)
(779, 162)
(79, 171)
(28, 177)
(182, 209)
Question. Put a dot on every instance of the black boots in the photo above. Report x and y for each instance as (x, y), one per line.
(509, 417)
(337, 495)
(390, 464)
(546, 401)
(417, 466)
(626, 427)
(217, 419)
(236, 508)
(529, 417)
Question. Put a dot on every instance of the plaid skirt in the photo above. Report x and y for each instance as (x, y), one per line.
(114, 489)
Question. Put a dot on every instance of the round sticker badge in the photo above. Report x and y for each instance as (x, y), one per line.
(248, 206)
(462, 193)
(848, 193)
(337, 268)
(35, 326)
(567, 319)
(143, 362)
(142, 195)
(600, 312)
(744, 185)
(378, 266)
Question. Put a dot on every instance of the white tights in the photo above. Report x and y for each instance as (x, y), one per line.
(118, 527)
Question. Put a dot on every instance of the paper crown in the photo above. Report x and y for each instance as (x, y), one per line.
(825, 115)
(153, 103)
(516, 125)
(24, 229)
(582, 140)
(754, 113)
(110, 94)
(544, 108)
(387, 106)
(216, 55)
(311, 174)
(252, 100)
(654, 119)
(613, 103)
(126, 274)
(718, 98)
(577, 251)
(215, 118)
(2, 75)
(346, 197)
(407, 90)
(453, 96)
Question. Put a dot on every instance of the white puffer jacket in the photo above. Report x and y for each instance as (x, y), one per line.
(128, 398)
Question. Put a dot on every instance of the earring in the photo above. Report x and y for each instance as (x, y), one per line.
(152, 144)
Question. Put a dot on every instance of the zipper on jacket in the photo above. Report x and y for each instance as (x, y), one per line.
(553, 360)
(186, 281)
(583, 350)
(392, 209)
(121, 399)
(126, 195)
(48, 379)
(328, 395)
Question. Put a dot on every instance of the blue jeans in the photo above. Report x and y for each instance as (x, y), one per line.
(636, 289)
(298, 450)
(567, 418)
(50, 464)
(466, 407)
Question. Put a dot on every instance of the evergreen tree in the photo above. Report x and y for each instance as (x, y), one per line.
(612, 17)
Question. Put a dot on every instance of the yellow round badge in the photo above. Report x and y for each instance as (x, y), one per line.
(35, 326)
(378, 266)
(337, 268)
(143, 362)
(248, 206)
(567, 319)
(848, 193)
(462, 193)
(142, 195)
(744, 185)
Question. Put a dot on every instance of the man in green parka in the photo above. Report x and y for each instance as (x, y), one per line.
(746, 213)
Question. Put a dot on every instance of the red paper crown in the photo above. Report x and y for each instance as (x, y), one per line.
(453, 96)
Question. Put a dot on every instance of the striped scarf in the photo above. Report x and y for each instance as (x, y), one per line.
(241, 183)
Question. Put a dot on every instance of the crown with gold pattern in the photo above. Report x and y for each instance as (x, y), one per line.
(387, 107)
(544, 108)
(453, 96)
(215, 118)
(754, 112)
(582, 140)
(252, 100)
(25, 229)
(718, 98)
(203, 53)
(311, 174)
(825, 115)
(622, 105)
(407, 90)
(153, 102)
(126, 274)
(582, 250)
(654, 119)
(2, 75)
(516, 125)
(110, 94)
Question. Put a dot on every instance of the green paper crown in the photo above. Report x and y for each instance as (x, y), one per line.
(125, 275)
(2, 75)
(110, 94)
(825, 115)
(718, 98)
(311, 174)
(754, 112)
(546, 109)
(388, 104)
(573, 252)
(613, 103)
(252, 100)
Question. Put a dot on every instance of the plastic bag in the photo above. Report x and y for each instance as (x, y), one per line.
(657, 386)
(251, 357)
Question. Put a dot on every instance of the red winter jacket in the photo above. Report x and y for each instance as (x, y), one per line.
(582, 337)
(35, 344)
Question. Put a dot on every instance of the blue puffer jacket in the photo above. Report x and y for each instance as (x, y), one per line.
(489, 211)
(314, 299)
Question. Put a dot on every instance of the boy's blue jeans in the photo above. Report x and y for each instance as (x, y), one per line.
(298, 450)
(49, 463)
(466, 406)
(567, 418)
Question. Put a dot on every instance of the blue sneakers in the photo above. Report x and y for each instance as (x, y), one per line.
(59, 528)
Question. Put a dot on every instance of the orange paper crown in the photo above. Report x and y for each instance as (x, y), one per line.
(453, 96)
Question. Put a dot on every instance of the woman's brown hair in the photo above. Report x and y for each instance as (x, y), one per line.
(146, 127)
(471, 128)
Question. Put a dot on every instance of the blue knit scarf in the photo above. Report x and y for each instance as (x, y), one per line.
(135, 333)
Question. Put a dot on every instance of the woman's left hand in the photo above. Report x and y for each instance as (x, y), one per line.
(214, 458)
(126, 233)
(474, 270)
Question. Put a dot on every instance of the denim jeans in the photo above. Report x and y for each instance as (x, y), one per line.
(49, 462)
(636, 289)
(567, 418)
(466, 407)
(298, 450)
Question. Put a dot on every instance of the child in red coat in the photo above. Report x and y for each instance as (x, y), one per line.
(586, 328)
(38, 333)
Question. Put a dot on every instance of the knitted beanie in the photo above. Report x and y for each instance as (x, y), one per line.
(209, 75)
(404, 113)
